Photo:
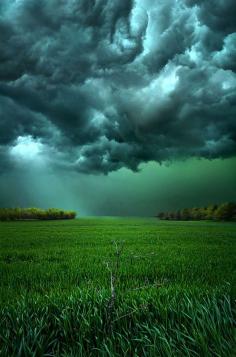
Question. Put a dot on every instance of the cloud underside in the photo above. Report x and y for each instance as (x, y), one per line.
(102, 85)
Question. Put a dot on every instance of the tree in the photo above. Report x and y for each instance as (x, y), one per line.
(14, 214)
(226, 212)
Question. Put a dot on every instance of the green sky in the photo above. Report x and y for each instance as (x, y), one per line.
(156, 187)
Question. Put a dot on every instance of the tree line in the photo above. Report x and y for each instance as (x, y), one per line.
(223, 212)
(17, 214)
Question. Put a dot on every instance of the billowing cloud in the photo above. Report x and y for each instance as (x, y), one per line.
(104, 84)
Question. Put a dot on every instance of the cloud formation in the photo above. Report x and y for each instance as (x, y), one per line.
(109, 84)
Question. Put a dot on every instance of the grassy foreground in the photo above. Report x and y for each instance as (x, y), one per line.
(175, 288)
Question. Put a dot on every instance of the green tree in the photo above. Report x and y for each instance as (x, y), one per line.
(226, 212)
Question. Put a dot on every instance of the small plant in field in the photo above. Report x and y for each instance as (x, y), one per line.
(114, 267)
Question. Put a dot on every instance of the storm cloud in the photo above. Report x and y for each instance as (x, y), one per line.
(98, 85)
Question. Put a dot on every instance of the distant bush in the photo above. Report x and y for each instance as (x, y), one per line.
(17, 214)
(223, 212)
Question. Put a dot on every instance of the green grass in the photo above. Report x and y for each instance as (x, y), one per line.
(175, 288)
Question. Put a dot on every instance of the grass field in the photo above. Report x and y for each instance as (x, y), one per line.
(174, 288)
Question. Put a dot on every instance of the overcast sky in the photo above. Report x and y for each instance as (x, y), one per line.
(117, 106)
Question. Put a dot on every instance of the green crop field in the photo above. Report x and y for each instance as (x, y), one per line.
(173, 288)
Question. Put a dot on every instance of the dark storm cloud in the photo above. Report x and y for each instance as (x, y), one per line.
(110, 84)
